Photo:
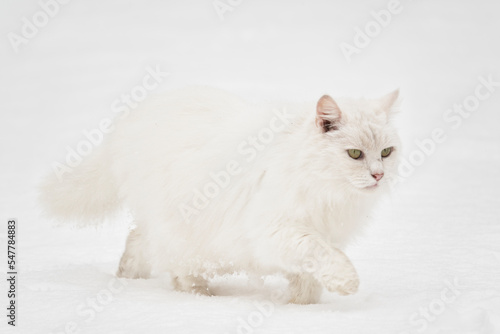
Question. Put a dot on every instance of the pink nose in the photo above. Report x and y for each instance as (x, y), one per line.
(378, 176)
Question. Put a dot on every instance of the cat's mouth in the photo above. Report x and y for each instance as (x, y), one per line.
(367, 188)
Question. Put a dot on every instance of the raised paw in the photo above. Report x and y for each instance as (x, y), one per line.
(343, 281)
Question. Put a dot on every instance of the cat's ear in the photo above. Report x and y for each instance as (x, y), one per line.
(388, 101)
(328, 114)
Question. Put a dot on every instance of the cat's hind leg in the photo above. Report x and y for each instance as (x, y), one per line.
(191, 284)
(304, 288)
(135, 260)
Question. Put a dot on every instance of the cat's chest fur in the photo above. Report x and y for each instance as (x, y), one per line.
(284, 200)
(337, 217)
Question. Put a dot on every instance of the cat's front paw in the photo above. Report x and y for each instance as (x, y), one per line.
(344, 281)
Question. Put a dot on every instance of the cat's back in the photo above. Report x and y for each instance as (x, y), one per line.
(189, 116)
(190, 131)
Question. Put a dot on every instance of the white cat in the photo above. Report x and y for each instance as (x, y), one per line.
(216, 185)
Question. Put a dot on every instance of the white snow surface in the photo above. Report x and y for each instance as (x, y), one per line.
(442, 224)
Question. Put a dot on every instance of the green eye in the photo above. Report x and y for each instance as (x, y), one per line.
(386, 152)
(355, 154)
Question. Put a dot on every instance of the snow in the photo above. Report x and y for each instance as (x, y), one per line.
(441, 225)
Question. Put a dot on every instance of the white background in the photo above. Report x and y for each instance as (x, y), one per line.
(441, 224)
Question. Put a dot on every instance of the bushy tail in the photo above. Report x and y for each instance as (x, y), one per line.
(86, 194)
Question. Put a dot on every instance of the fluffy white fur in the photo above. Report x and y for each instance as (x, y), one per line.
(296, 203)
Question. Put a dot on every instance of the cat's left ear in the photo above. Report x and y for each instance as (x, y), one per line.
(328, 114)
(388, 102)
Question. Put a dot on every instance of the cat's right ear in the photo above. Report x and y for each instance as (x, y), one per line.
(389, 102)
(328, 114)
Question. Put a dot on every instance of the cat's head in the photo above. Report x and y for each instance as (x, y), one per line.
(360, 142)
